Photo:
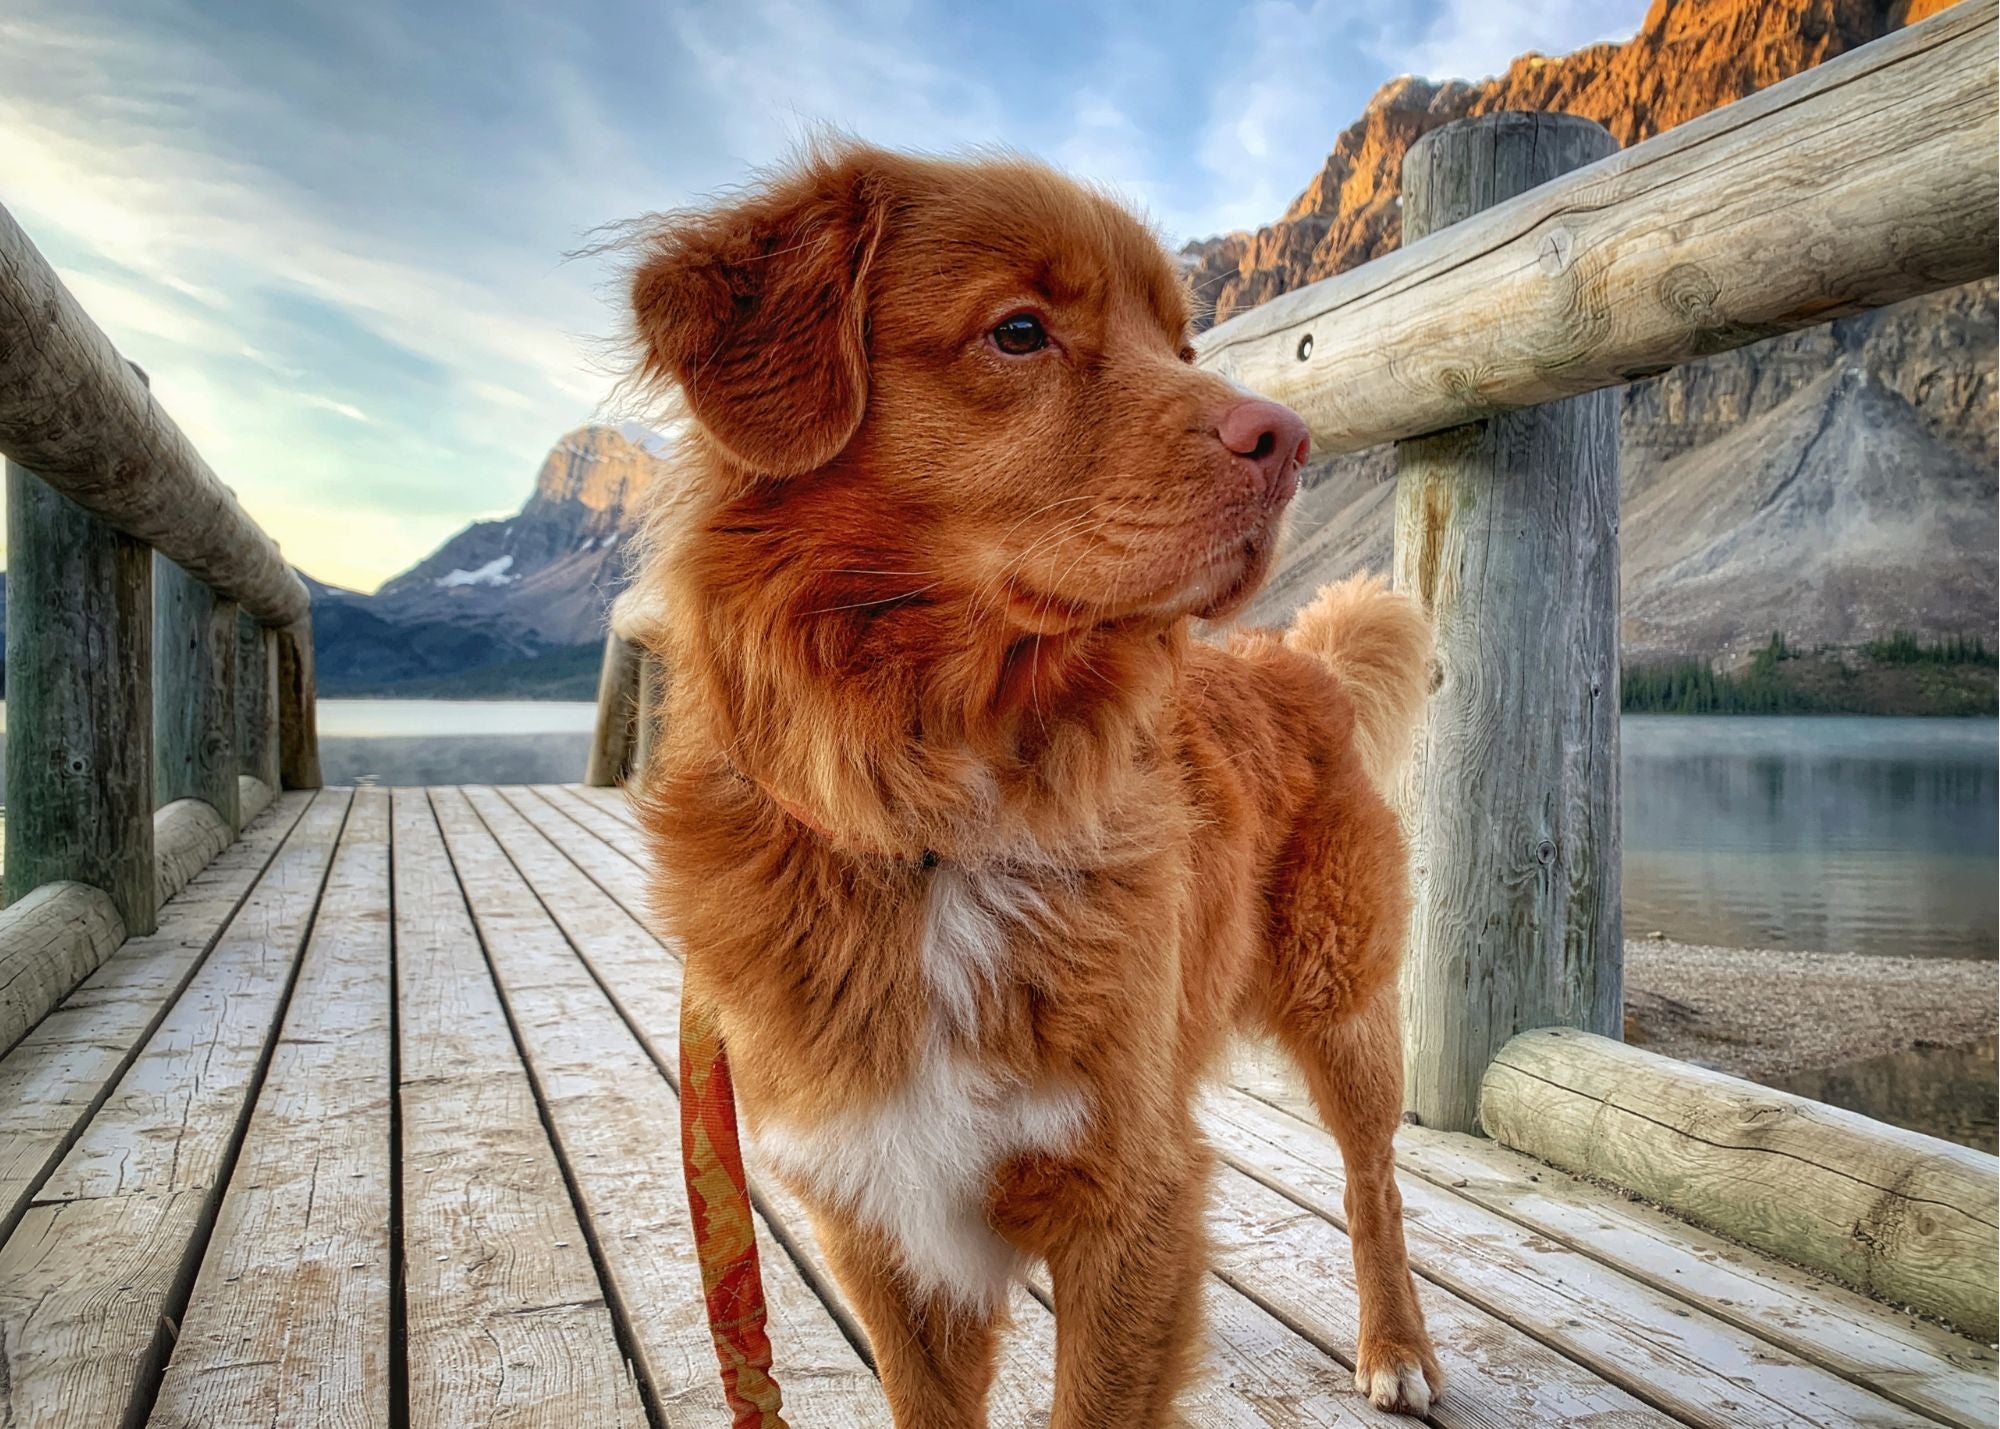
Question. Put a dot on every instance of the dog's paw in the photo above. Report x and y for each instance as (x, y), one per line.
(1400, 1381)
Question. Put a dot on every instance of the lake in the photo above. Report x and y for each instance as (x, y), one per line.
(1844, 834)
(1826, 833)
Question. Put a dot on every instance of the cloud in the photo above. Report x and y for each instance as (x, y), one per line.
(328, 404)
(1475, 39)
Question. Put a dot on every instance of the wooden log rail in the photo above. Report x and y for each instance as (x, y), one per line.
(1859, 183)
(1905, 1217)
(159, 649)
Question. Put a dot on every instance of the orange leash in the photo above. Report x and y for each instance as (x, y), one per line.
(725, 1237)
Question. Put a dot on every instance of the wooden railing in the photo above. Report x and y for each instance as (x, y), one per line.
(1542, 269)
(1487, 348)
(159, 650)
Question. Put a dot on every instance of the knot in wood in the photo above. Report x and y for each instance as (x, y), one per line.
(1545, 852)
(1688, 292)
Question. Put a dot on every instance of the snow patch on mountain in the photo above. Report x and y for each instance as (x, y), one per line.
(494, 572)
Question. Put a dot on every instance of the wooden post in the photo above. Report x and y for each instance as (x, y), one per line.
(1507, 530)
(194, 692)
(79, 703)
(612, 741)
(652, 700)
(298, 708)
(257, 701)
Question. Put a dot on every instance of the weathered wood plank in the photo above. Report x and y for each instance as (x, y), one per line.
(298, 708)
(257, 700)
(288, 1324)
(73, 411)
(1301, 1267)
(1507, 532)
(194, 692)
(58, 934)
(619, 832)
(506, 1318)
(1683, 1362)
(1901, 1215)
(79, 695)
(613, 738)
(615, 802)
(617, 1118)
(104, 1254)
(1913, 1362)
(56, 1078)
(604, 861)
(1861, 182)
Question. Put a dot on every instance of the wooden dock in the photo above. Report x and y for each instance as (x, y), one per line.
(337, 1107)
(379, 1127)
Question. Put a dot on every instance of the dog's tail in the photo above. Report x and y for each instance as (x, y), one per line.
(1378, 644)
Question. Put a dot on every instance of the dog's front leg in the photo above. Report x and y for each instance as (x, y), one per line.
(1128, 1276)
(935, 1358)
(1353, 1066)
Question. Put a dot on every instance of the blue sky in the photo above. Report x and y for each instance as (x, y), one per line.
(334, 233)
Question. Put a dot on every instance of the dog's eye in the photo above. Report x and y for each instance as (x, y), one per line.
(1020, 335)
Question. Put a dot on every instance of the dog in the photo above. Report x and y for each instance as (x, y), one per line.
(979, 855)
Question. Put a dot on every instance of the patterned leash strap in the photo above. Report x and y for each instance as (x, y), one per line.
(725, 1239)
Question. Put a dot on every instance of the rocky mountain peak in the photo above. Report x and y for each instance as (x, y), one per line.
(552, 567)
(599, 469)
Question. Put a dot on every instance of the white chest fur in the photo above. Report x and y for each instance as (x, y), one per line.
(917, 1165)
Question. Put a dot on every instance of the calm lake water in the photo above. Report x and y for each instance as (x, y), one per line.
(1836, 834)
(1861, 835)
(454, 741)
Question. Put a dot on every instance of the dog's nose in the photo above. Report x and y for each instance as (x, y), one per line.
(1272, 438)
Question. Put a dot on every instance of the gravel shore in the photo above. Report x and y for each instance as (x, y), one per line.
(1761, 1014)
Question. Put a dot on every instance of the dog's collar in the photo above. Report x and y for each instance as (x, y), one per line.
(798, 815)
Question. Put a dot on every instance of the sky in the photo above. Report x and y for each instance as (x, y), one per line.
(335, 234)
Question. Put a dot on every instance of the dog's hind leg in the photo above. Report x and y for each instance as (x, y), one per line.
(1353, 1065)
(935, 1358)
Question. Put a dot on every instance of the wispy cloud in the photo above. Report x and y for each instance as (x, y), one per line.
(1473, 39)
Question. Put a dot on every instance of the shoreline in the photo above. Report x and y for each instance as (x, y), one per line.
(1766, 1014)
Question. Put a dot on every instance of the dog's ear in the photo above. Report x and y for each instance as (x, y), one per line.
(759, 312)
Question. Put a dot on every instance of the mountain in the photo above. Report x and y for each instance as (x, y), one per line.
(554, 565)
(1834, 484)
(517, 597)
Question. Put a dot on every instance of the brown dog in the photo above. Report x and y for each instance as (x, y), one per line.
(979, 857)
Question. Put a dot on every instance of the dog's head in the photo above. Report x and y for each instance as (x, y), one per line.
(983, 355)
(955, 491)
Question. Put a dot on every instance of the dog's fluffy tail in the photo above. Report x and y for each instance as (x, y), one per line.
(1378, 644)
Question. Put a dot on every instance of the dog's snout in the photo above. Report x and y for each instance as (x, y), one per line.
(1271, 437)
